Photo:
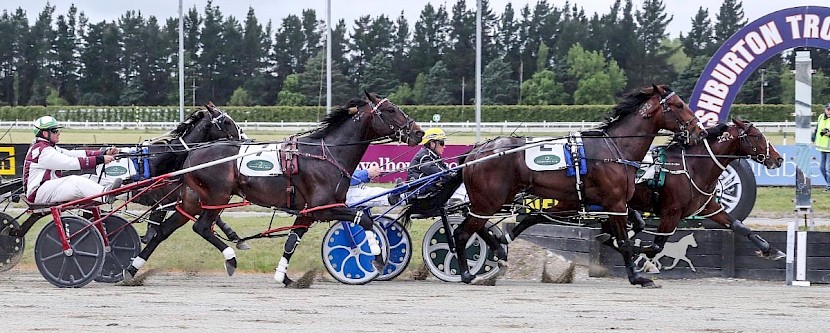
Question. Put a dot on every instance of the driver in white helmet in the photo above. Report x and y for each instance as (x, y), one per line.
(45, 161)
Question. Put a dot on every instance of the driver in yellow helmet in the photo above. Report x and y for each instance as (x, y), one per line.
(45, 162)
(428, 161)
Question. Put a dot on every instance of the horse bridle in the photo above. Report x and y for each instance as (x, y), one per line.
(684, 133)
(744, 135)
(403, 130)
(218, 120)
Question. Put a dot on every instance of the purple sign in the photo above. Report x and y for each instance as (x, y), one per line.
(750, 47)
(397, 157)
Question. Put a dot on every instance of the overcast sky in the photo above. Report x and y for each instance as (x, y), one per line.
(99, 10)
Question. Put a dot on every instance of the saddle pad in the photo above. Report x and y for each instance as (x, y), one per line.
(264, 164)
(546, 157)
(124, 168)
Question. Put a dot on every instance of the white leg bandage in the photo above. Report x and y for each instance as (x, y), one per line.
(138, 262)
(282, 268)
(374, 247)
(228, 253)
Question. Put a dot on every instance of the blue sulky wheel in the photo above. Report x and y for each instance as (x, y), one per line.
(78, 268)
(347, 264)
(400, 248)
(443, 263)
(11, 247)
(125, 245)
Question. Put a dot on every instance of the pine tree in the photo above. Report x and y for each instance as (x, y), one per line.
(730, 19)
(699, 41)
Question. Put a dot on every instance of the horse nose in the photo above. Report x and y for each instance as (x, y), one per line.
(779, 161)
(704, 133)
(419, 134)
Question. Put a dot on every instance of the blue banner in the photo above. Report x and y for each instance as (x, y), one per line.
(785, 175)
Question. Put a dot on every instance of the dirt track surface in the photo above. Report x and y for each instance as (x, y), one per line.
(253, 302)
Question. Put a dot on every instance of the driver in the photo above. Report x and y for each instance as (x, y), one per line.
(45, 162)
(428, 161)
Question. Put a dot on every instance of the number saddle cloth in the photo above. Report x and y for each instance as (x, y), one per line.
(263, 164)
(548, 154)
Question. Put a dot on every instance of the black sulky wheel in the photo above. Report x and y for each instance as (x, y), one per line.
(78, 268)
(11, 247)
(443, 263)
(125, 244)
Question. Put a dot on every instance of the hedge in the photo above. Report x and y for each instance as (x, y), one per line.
(448, 113)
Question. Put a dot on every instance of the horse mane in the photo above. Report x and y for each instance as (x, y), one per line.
(631, 102)
(335, 118)
(181, 129)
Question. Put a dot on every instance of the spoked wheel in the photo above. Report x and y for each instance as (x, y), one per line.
(85, 261)
(400, 248)
(11, 247)
(125, 245)
(443, 263)
(348, 264)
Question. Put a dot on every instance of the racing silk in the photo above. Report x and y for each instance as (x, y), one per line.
(822, 142)
(359, 177)
(45, 161)
(426, 162)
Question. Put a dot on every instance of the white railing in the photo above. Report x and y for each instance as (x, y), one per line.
(504, 128)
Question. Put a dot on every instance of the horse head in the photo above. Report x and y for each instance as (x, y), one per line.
(672, 113)
(206, 125)
(388, 120)
(754, 144)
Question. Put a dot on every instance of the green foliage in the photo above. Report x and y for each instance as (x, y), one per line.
(599, 81)
(290, 94)
(240, 98)
(403, 95)
(543, 89)
(54, 98)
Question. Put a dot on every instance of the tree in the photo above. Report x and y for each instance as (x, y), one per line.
(403, 95)
(543, 89)
(379, 76)
(700, 41)
(436, 89)
(730, 19)
(64, 70)
(419, 89)
(290, 95)
(240, 97)
(687, 78)
(651, 65)
(312, 82)
(497, 87)
(598, 81)
(101, 60)
(429, 39)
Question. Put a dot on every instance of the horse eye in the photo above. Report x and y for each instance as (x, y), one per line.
(679, 105)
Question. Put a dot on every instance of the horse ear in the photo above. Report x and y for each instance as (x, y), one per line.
(353, 110)
(655, 89)
(371, 97)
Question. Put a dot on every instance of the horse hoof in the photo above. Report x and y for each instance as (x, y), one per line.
(467, 278)
(230, 266)
(603, 237)
(650, 268)
(287, 281)
(151, 232)
(127, 274)
(651, 285)
(378, 263)
(243, 245)
(773, 254)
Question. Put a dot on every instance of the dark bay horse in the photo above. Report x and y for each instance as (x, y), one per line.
(316, 189)
(611, 156)
(691, 177)
(167, 154)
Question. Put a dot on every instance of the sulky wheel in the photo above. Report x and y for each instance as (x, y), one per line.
(86, 258)
(11, 247)
(125, 245)
(400, 248)
(443, 263)
(351, 264)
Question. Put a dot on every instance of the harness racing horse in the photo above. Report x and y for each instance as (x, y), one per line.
(313, 191)
(167, 154)
(691, 178)
(611, 156)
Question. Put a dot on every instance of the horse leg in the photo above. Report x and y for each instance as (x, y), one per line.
(231, 234)
(635, 217)
(291, 242)
(161, 232)
(764, 249)
(155, 219)
(462, 234)
(495, 245)
(202, 226)
(618, 225)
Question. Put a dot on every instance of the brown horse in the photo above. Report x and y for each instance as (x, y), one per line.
(611, 156)
(691, 178)
(316, 189)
